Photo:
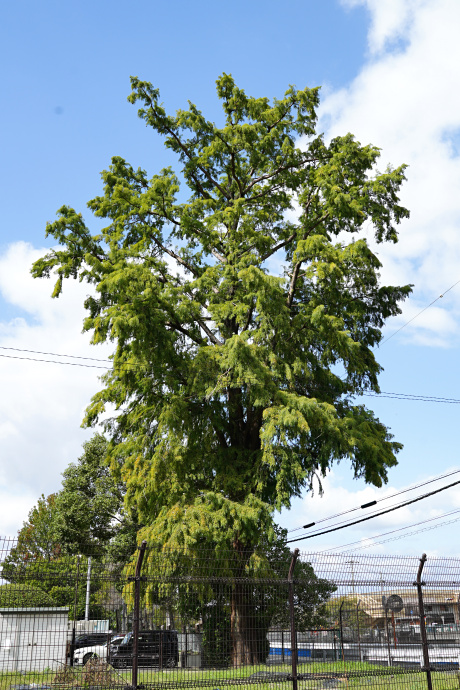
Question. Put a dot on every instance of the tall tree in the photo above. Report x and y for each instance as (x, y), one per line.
(243, 317)
(89, 503)
(37, 537)
(86, 516)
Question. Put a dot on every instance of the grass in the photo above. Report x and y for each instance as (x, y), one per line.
(312, 676)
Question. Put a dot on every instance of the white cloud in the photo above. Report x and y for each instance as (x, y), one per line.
(42, 404)
(391, 20)
(405, 100)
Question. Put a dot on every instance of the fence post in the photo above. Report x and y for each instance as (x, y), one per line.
(341, 630)
(357, 630)
(72, 644)
(387, 630)
(137, 598)
(295, 556)
(426, 657)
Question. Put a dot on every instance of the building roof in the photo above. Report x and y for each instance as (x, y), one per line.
(33, 609)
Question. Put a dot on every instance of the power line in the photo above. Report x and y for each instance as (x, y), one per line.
(412, 398)
(380, 500)
(52, 354)
(53, 361)
(393, 531)
(385, 340)
(411, 534)
(371, 517)
(383, 394)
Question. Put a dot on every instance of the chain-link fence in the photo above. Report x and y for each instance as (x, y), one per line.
(173, 620)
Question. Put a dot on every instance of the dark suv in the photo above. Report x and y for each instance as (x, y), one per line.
(155, 648)
(91, 639)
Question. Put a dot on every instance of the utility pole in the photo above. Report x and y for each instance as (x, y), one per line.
(352, 563)
(88, 589)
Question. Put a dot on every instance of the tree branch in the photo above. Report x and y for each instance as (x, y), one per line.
(177, 327)
(278, 246)
(175, 256)
(218, 256)
(249, 317)
(282, 168)
(182, 146)
(209, 333)
(294, 277)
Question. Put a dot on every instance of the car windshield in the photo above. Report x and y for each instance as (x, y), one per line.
(126, 638)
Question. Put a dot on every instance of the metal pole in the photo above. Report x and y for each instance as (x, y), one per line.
(426, 657)
(72, 644)
(394, 627)
(341, 630)
(388, 635)
(282, 646)
(137, 598)
(186, 648)
(295, 556)
(351, 563)
(357, 629)
(88, 589)
(161, 649)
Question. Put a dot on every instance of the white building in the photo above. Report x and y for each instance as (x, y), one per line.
(33, 639)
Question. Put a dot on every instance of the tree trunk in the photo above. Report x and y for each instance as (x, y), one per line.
(241, 633)
(247, 631)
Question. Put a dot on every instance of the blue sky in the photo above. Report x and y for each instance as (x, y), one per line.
(389, 73)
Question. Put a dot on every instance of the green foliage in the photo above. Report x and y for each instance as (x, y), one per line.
(88, 506)
(23, 596)
(37, 537)
(243, 318)
(61, 579)
(85, 517)
(353, 615)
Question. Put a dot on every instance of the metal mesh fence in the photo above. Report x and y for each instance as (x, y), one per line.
(171, 620)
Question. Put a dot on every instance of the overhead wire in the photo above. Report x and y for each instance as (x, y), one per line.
(52, 361)
(52, 354)
(412, 397)
(380, 500)
(397, 396)
(385, 340)
(338, 549)
(408, 534)
(374, 515)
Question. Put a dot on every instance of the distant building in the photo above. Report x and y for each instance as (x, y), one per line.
(441, 606)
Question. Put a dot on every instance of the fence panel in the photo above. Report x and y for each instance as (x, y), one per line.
(228, 619)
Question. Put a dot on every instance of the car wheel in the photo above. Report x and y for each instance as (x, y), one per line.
(88, 656)
(170, 662)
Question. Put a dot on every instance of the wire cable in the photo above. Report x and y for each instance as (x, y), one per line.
(395, 396)
(412, 398)
(53, 361)
(52, 354)
(371, 517)
(380, 500)
(409, 534)
(401, 536)
(393, 531)
(385, 340)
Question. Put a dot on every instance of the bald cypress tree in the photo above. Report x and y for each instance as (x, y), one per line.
(243, 317)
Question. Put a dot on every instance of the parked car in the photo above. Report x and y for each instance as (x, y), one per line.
(91, 639)
(100, 651)
(155, 648)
